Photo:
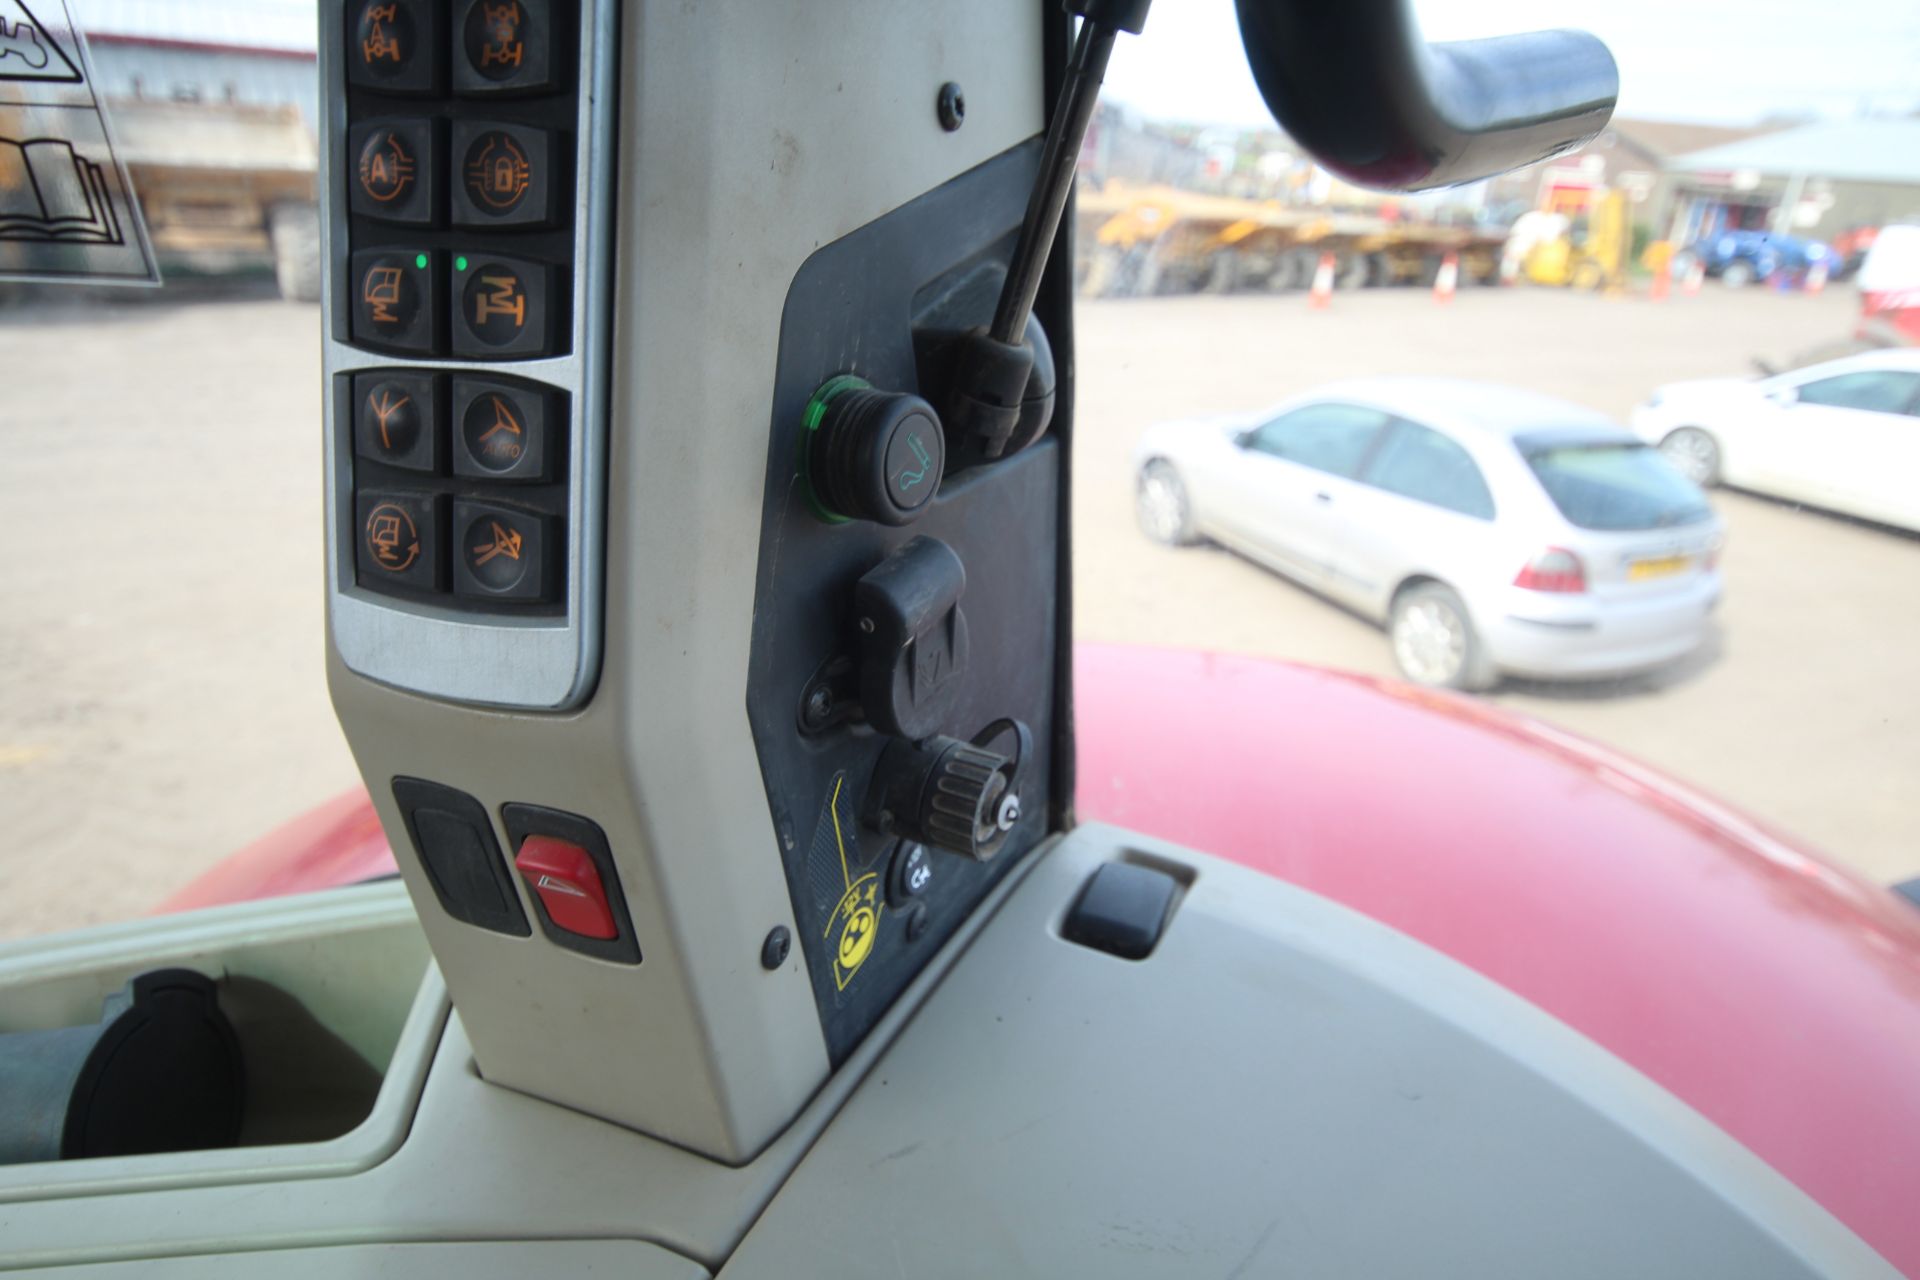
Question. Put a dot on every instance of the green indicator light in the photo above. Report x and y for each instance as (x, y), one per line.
(460, 263)
(421, 262)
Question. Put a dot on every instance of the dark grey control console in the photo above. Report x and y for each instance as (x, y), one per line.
(467, 189)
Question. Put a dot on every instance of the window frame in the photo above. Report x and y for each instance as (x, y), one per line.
(1909, 407)
(1395, 424)
(1249, 439)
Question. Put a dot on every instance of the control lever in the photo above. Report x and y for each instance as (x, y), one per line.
(995, 363)
(953, 795)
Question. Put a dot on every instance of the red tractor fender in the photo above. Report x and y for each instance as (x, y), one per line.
(1772, 991)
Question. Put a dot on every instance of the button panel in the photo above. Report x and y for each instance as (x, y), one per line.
(454, 225)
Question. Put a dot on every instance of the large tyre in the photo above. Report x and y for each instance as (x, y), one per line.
(1223, 272)
(1738, 275)
(1161, 505)
(1434, 642)
(1694, 454)
(294, 230)
(1350, 271)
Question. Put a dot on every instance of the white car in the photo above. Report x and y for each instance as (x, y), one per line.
(1843, 435)
(1492, 530)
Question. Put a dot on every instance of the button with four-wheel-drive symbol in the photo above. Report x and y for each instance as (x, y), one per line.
(503, 46)
(394, 45)
(501, 552)
(396, 419)
(395, 171)
(398, 540)
(502, 429)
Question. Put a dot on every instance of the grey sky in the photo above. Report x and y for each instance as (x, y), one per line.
(1717, 61)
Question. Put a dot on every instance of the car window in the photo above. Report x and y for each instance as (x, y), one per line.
(1327, 437)
(1616, 486)
(1420, 463)
(1874, 390)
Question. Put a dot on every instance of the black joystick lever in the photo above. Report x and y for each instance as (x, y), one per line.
(994, 364)
(953, 795)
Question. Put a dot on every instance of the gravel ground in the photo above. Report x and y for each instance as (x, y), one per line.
(161, 690)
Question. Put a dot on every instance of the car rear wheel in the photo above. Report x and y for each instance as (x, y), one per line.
(1738, 275)
(1434, 642)
(1694, 454)
(1161, 505)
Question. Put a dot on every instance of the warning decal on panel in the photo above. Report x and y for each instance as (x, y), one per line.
(841, 878)
(67, 208)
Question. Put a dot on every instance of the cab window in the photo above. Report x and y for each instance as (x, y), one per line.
(1419, 463)
(1327, 437)
(1873, 390)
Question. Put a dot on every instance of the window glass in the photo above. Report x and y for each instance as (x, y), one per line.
(1875, 390)
(1420, 463)
(1326, 437)
(1616, 486)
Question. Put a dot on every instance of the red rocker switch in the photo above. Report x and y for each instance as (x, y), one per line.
(564, 877)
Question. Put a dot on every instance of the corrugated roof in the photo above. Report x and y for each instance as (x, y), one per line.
(283, 25)
(1852, 150)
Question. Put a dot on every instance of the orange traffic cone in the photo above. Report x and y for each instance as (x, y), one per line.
(1448, 280)
(1662, 282)
(1817, 277)
(1696, 276)
(1322, 296)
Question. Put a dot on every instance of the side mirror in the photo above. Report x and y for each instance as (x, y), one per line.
(1784, 396)
(1353, 82)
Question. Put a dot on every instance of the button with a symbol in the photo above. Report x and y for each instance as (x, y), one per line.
(503, 177)
(502, 553)
(394, 296)
(394, 45)
(398, 540)
(394, 171)
(503, 46)
(501, 307)
(502, 428)
(395, 419)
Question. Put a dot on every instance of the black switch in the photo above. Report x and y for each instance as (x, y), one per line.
(396, 419)
(504, 47)
(399, 540)
(395, 300)
(503, 176)
(395, 171)
(394, 45)
(502, 553)
(1122, 911)
(503, 429)
(454, 839)
(502, 308)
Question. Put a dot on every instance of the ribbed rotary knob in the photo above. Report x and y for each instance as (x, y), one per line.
(871, 454)
(946, 793)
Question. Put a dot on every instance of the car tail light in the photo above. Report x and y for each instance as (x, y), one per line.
(1556, 569)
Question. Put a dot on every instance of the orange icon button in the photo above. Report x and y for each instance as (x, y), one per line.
(392, 45)
(397, 540)
(504, 46)
(502, 551)
(500, 428)
(501, 308)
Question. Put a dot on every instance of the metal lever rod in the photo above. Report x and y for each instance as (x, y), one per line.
(1087, 67)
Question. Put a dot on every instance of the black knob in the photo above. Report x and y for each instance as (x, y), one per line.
(871, 454)
(946, 793)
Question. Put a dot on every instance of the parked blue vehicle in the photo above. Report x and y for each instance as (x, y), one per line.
(1743, 257)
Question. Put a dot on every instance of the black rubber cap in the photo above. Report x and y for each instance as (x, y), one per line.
(878, 455)
(165, 1075)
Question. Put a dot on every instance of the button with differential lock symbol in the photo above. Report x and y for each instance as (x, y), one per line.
(870, 454)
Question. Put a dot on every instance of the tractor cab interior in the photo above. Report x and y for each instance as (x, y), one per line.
(698, 419)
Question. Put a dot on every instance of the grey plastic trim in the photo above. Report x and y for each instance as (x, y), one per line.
(523, 663)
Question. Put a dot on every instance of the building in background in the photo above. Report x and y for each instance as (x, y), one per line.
(1820, 180)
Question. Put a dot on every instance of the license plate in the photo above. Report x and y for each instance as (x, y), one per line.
(1661, 567)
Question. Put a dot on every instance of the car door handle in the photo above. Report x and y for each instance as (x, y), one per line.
(1323, 497)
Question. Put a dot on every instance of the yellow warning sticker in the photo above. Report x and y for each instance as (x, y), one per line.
(855, 923)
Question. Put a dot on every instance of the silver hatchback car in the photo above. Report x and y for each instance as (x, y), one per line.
(1493, 531)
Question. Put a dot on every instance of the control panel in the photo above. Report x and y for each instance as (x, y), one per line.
(466, 189)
